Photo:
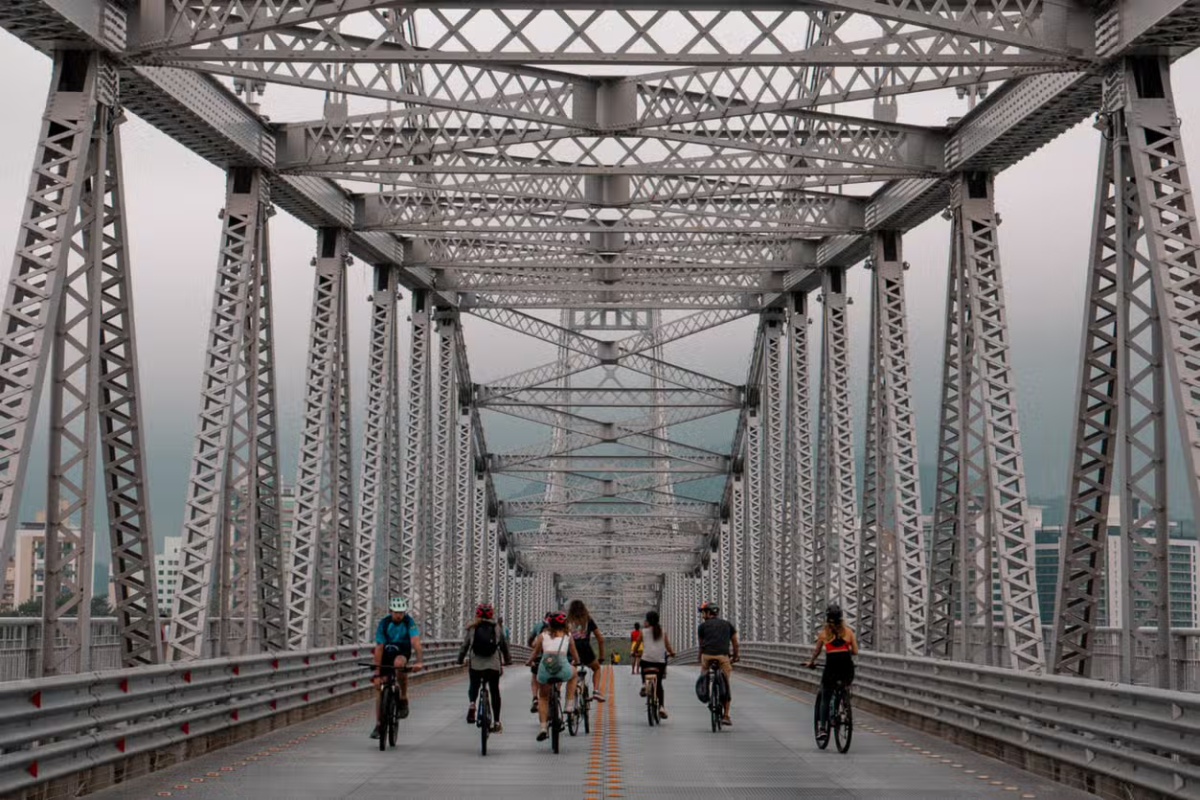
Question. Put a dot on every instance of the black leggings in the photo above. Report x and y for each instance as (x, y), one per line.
(492, 677)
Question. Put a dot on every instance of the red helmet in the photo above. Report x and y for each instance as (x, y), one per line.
(558, 617)
(485, 610)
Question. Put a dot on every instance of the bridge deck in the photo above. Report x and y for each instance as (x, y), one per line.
(768, 753)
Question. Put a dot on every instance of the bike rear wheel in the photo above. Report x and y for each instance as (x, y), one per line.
(573, 721)
(587, 702)
(483, 719)
(555, 724)
(843, 721)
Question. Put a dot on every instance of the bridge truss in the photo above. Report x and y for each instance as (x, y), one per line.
(609, 178)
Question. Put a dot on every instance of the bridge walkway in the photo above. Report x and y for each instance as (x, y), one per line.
(768, 753)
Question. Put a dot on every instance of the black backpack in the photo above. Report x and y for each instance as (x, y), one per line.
(483, 642)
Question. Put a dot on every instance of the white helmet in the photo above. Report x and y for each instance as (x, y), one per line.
(398, 604)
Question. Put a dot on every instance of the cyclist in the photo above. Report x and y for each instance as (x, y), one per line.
(533, 682)
(840, 646)
(488, 646)
(718, 643)
(635, 646)
(397, 639)
(583, 627)
(656, 649)
(556, 651)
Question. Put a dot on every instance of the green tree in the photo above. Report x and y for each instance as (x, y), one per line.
(100, 607)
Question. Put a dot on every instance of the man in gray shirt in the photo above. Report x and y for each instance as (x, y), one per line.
(718, 643)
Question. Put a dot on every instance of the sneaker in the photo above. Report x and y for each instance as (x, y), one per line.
(727, 722)
(497, 728)
(599, 698)
(375, 733)
(471, 714)
(662, 713)
(402, 709)
(570, 706)
(533, 708)
(543, 734)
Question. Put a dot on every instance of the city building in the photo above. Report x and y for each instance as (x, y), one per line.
(25, 573)
(1183, 566)
(166, 573)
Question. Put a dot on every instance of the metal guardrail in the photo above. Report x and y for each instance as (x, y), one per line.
(57, 727)
(1137, 736)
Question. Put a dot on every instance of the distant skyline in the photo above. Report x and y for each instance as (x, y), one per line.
(174, 198)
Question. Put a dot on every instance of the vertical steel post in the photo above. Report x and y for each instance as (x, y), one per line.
(403, 559)
(803, 530)
(441, 613)
(774, 383)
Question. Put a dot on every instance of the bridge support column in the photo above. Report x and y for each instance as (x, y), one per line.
(231, 520)
(463, 542)
(71, 279)
(773, 591)
(414, 500)
(323, 594)
(836, 557)
(802, 522)
(755, 510)
(1139, 329)
(892, 573)
(379, 478)
(981, 534)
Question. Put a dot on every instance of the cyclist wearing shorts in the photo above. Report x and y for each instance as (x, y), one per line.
(488, 646)
(656, 649)
(583, 627)
(556, 650)
(533, 635)
(397, 638)
(840, 646)
(718, 643)
(635, 646)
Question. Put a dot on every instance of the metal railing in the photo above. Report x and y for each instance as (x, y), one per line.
(67, 725)
(1131, 735)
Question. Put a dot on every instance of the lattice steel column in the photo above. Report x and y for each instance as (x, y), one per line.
(234, 474)
(464, 513)
(323, 598)
(736, 584)
(752, 573)
(803, 522)
(837, 441)
(380, 434)
(70, 277)
(403, 559)
(892, 484)
(774, 590)
(481, 540)
(981, 534)
(442, 615)
(1139, 321)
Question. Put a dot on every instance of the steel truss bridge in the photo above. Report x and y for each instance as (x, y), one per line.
(609, 177)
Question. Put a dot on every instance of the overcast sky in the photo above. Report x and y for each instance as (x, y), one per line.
(174, 198)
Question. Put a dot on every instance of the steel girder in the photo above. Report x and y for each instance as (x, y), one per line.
(324, 596)
(407, 559)
(232, 500)
(838, 564)
(892, 571)
(380, 473)
(71, 279)
(802, 520)
(983, 546)
(1136, 328)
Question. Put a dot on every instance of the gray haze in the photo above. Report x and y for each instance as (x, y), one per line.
(174, 196)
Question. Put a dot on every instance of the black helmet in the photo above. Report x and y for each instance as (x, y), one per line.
(833, 613)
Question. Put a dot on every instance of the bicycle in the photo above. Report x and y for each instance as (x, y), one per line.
(716, 695)
(389, 703)
(483, 717)
(555, 716)
(841, 717)
(583, 700)
(650, 684)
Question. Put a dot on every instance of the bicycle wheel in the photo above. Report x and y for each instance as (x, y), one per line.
(483, 719)
(394, 728)
(587, 703)
(573, 721)
(822, 737)
(843, 721)
(385, 718)
(555, 724)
